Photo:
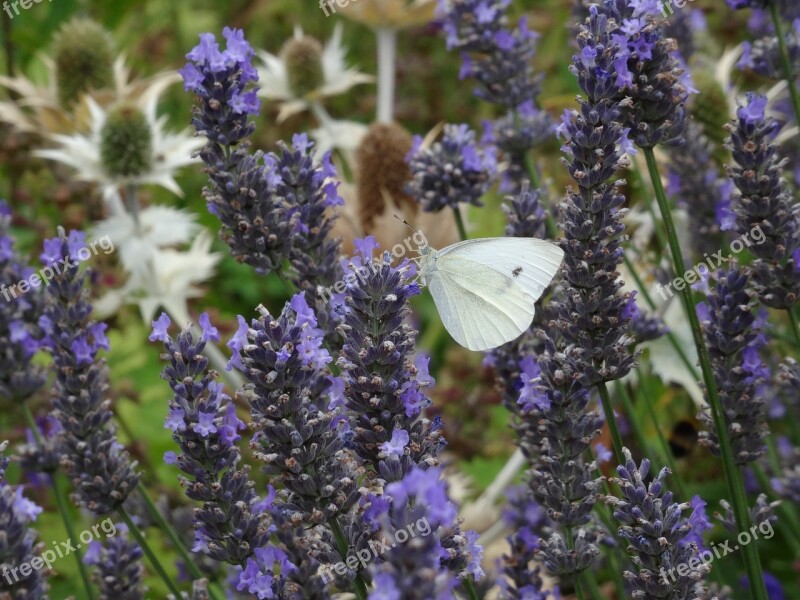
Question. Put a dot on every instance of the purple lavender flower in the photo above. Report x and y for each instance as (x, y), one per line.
(528, 521)
(382, 387)
(696, 185)
(118, 565)
(653, 527)
(255, 223)
(727, 321)
(499, 57)
(764, 204)
(101, 470)
(205, 426)
(412, 569)
(17, 541)
(288, 393)
(20, 378)
(452, 171)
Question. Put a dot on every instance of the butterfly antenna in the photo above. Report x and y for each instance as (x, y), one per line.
(404, 222)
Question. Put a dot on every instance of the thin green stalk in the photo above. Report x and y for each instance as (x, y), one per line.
(151, 557)
(608, 411)
(795, 326)
(462, 232)
(591, 585)
(469, 585)
(670, 335)
(60, 495)
(179, 546)
(660, 237)
(733, 476)
(341, 543)
(785, 60)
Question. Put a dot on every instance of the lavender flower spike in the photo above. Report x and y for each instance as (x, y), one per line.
(17, 542)
(20, 378)
(764, 201)
(652, 524)
(118, 564)
(203, 422)
(383, 383)
(733, 345)
(101, 470)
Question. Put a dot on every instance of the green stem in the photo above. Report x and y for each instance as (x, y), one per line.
(795, 326)
(608, 411)
(733, 476)
(462, 232)
(60, 495)
(179, 546)
(469, 585)
(660, 237)
(151, 557)
(670, 335)
(341, 543)
(785, 60)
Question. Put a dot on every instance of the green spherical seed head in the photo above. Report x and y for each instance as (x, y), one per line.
(303, 59)
(126, 142)
(710, 109)
(84, 57)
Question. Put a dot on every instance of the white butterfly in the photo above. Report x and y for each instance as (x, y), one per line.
(485, 289)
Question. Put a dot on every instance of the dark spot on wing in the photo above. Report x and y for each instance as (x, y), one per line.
(516, 271)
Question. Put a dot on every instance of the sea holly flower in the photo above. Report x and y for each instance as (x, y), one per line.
(128, 144)
(204, 424)
(304, 72)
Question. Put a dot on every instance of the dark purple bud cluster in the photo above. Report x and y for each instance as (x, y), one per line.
(697, 186)
(452, 171)
(653, 525)
(100, 468)
(118, 566)
(289, 394)
(204, 424)
(383, 383)
(733, 345)
(18, 542)
(764, 201)
(20, 378)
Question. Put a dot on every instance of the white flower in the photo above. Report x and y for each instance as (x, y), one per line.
(170, 280)
(38, 109)
(159, 227)
(344, 135)
(170, 151)
(337, 77)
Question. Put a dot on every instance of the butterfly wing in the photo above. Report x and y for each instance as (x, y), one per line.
(480, 307)
(531, 263)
